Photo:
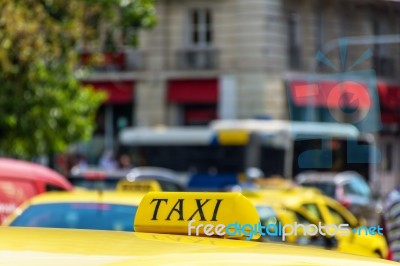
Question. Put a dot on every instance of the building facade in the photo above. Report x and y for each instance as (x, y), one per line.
(224, 59)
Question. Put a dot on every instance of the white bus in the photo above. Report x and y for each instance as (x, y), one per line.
(220, 154)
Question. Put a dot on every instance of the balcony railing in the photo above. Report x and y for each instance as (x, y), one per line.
(197, 59)
(113, 61)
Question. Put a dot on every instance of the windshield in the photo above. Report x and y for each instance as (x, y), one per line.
(326, 188)
(357, 187)
(78, 216)
(331, 155)
(269, 217)
(109, 184)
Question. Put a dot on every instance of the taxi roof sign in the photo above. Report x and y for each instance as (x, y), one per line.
(171, 212)
(138, 186)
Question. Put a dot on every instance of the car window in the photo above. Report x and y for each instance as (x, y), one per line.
(357, 187)
(337, 217)
(313, 209)
(169, 186)
(316, 240)
(265, 213)
(79, 216)
(301, 219)
(269, 216)
(326, 188)
(50, 187)
(108, 184)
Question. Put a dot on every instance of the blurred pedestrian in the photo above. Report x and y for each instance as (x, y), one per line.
(107, 161)
(125, 162)
(81, 161)
(392, 222)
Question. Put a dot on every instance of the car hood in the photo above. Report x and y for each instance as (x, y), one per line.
(27, 246)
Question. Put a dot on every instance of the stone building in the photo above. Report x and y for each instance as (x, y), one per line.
(216, 59)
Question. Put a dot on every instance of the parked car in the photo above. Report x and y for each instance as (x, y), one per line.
(160, 241)
(136, 179)
(349, 188)
(20, 180)
(311, 207)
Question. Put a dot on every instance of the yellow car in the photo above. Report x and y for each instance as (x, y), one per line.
(277, 213)
(327, 211)
(78, 209)
(162, 224)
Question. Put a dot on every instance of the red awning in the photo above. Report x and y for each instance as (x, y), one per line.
(119, 92)
(389, 96)
(331, 94)
(389, 99)
(193, 91)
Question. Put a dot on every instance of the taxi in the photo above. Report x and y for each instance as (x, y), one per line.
(277, 213)
(170, 229)
(320, 208)
(78, 209)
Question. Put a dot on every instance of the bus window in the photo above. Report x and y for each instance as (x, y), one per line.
(193, 157)
(272, 161)
(333, 155)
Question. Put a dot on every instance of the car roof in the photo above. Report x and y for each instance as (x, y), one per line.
(158, 173)
(137, 173)
(327, 177)
(291, 196)
(90, 247)
(111, 197)
(294, 128)
(96, 172)
(17, 169)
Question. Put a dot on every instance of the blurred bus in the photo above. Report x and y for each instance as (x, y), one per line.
(194, 152)
(228, 148)
(288, 148)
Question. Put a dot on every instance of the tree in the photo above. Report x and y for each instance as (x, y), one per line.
(43, 106)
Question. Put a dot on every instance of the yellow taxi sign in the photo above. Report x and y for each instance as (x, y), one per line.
(233, 137)
(138, 186)
(197, 213)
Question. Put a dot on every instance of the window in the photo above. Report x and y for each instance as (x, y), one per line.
(313, 209)
(199, 158)
(269, 217)
(327, 188)
(294, 41)
(50, 187)
(201, 33)
(387, 160)
(78, 216)
(320, 31)
(357, 187)
(337, 217)
(198, 114)
(301, 219)
(384, 64)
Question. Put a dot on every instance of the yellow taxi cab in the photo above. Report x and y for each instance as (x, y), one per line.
(327, 211)
(277, 213)
(145, 185)
(98, 210)
(170, 229)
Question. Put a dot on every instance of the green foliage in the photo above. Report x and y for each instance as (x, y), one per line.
(43, 106)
